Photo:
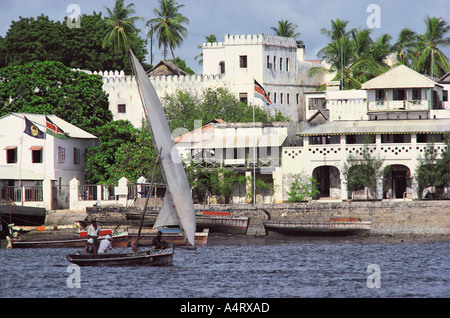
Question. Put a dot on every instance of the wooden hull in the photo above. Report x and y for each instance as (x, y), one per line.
(176, 238)
(331, 228)
(23, 215)
(152, 257)
(228, 225)
(65, 241)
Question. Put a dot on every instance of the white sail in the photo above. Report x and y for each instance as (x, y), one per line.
(176, 182)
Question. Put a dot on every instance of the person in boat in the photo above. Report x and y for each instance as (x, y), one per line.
(105, 245)
(90, 248)
(94, 231)
(158, 242)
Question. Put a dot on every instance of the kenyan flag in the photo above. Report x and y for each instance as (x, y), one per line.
(54, 130)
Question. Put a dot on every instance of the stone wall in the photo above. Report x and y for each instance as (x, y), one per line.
(388, 217)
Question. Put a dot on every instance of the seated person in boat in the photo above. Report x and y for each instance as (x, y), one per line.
(105, 245)
(90, 249)
(158, 242)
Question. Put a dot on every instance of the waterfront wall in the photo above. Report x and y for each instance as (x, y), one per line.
(389, 217)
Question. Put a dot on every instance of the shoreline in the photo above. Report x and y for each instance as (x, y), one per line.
(216, 239)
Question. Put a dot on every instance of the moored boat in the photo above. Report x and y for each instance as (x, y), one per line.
(48, 240)
(221, 222)
(336, 226)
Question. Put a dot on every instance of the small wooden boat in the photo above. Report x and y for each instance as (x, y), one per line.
(22, 215)
(151, 257)
(177, 208)
(221, 222)
(67, 240)
(336, 226)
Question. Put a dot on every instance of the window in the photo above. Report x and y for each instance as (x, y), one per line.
(445, 96)
(350, 139)
(243, 61)
(287, 64)
(281, 98)
(298, 98)
(399, 94)
(380, 95)
(222, 67)
(274, 63)
(268, 62)
(275, 98)
(243, 97)
(281, 63)
(416, 94)
(121, 108)
(61, 155)
(76, 156)
(288, 99)
(36, 154)
(11, 154)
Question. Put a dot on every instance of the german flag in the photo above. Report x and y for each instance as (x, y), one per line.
(261, 93)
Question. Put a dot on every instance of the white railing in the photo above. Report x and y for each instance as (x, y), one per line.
(406, 105)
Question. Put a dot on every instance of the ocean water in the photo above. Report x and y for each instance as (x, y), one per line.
(307, 269)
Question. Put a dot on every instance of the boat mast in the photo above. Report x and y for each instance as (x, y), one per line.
(152, 182)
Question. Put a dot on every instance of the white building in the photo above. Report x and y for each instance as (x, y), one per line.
(277, 63)
(247, 148)
(395, 116)
(28, 164)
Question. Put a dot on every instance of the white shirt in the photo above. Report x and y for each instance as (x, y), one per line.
(105, 244)
(93, 232)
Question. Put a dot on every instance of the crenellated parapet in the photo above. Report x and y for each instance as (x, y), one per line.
(254, 39)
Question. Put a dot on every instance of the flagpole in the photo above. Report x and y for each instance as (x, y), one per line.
(20, 164)
(254, 156)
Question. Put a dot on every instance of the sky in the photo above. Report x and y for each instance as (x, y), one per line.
(220, 17)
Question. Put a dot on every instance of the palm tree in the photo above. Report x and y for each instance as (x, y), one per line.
(286, 29)
(353, 56)
(337, 30)
(209, 39)
(432, 60)
(119, 27)
(405, 47)
(168, 26)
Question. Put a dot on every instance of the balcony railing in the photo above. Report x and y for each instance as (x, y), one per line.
(398, 105)
(240, 162)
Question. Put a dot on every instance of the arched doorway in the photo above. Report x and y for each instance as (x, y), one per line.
(396, 181)
(328, 180)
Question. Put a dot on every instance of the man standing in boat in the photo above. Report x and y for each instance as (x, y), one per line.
(93, 232)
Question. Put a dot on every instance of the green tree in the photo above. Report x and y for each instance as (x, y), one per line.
(431, 60)
(101, 160)
(183, 109)
(52, 88)
(119, 27)
(168, 26)
(302, 187)
(41, 39)
(362, 171)
(405, 47)
(433, 171)
(352, 55)
(286, 29)
(137, 158)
